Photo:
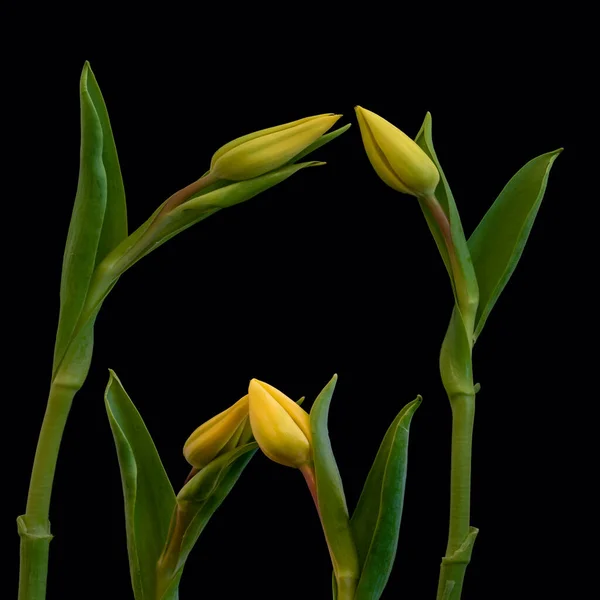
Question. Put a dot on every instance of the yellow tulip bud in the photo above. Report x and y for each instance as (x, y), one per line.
(218, 435)
(396, 158)
(279, 425)
(262, 151)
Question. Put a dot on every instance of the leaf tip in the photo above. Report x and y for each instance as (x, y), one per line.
(112, 378)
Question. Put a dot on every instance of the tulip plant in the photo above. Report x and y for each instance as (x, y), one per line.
(479, 269)
(99, 250)
(162, 526)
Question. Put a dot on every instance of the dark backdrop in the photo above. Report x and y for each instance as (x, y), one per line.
(329, 272)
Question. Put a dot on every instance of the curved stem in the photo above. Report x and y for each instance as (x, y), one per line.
(346, 586)
(34, 526)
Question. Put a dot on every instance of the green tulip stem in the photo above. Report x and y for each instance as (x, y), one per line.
(346, 586)
(184, 194)
(463, 413)
(309, 476)
(441, 219)
(461, 535)
(34, 526)
(167, 563)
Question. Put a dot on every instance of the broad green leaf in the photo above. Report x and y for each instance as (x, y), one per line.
(330, 491)
(86, 223)
(324, 139)
(149, 497)
(444, 196)
(114, 227)
(376, 520)
(497, 243)
(200, 498)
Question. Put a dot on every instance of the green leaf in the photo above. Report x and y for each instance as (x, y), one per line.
(330, 491)
(198, 501)
(497, 243)
(324, 139)
(376, 519)
(234, 464)
(199, 208)
(444, 196)
(86, 223)
(99, 219)
(456, 367)
(114, 226)
(149, 497)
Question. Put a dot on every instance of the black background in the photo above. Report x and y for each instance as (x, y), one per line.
(329, 272)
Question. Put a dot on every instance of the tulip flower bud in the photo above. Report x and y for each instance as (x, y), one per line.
(218, 435)
(262, 151)
(396, 158)
(280, 426)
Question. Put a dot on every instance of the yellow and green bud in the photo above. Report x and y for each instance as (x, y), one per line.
(220, 434)
(280, 426)
(396, 158)
(262, 151)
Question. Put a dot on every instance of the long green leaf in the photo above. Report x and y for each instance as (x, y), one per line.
(444, 196)
(195, 210)
(198, 501)
(497, 243)
(86, 223)
(114, 227)
(376, 520)
(149, 497)
(330, 491)
(231, 473)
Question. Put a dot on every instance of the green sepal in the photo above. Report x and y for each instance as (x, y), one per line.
(376, 520)
(468, 281)
(330, 491)
(497, 243)
(149, 497)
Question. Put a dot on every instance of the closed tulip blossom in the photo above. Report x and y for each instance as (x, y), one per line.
(218, 435)
(268, 149)
(396, 158)
(280, 427)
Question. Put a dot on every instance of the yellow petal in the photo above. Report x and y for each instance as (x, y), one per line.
(376, 157)
(399, 160)
(251, 136)
(298, 414)
(212, 437)
(274, 429)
